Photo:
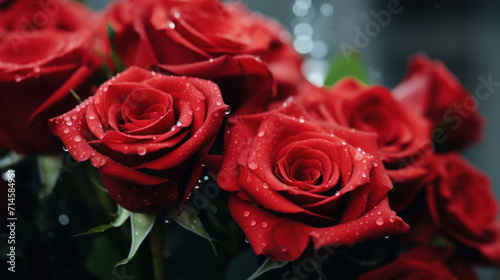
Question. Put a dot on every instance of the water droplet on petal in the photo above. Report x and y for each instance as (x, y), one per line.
(66, 130)
(146, 202)
(64, 148)
(171, 24)
(18, 78)
(228, 110)
(211, 60)
(218, 102)
(246, 214)
(253, 223)
(379, 221)
(77, 138)
(265, 186)
(284, 249)
(261, 133)
(141, 150)
(301, 120)
(391, 220)
(253, 165)
(91, 117)
(246, 240)
(264, 224)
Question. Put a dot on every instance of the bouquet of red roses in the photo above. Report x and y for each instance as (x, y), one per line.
(198, 112)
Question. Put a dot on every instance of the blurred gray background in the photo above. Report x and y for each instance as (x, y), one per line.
(465, 35)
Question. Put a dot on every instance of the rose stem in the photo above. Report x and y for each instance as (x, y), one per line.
(156, 244)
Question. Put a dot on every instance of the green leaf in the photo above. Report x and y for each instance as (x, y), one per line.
(267, 266)
(114, 56)
(141, 225)
(76, 96)
(10, 159)
(101, 257)
(441, 241)
(50, 168)
(122, 215)
(347, 65)
(188, 218)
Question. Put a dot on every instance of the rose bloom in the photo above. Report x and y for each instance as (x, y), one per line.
(181, 35)
(460, 205)
(426, 263)
(293, 179)
(45, 51)
(147, 133)
(431, 91)
(403, 137)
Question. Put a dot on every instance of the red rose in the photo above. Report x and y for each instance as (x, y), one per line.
(178, 34)
(460, 204)
(403, 137)
(431, 91)
(294, 179)
(147, 133)
(424, 262)
(40, 62)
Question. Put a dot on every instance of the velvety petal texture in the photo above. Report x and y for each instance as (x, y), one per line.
(197, 33)
(403, 137)
(424, 262)
(45, 51)
(147, 133)
(431, 91)
(296, 179)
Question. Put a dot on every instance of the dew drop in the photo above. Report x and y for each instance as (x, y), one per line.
(77, 138)
(206, 178)
(178, 123)
(146, 202)
(91, 117)
(177, 15)
(363, 175)
(171, 24)
(379, 221)
(375, 164)
(261, 133)
(153, 73)
(391, 220)
(264, 224)
(69, 123)
(228, 110)
(141, 150)
(253, 165)
(379, 212)
(263, 244)
(211, 60)
(246, 240)
(64, 148)
(246, 214)
(18, 78)
(301, 120)
(253, 223)
(265, 186)
(284, 249)
(66, 130)
(218, 102)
